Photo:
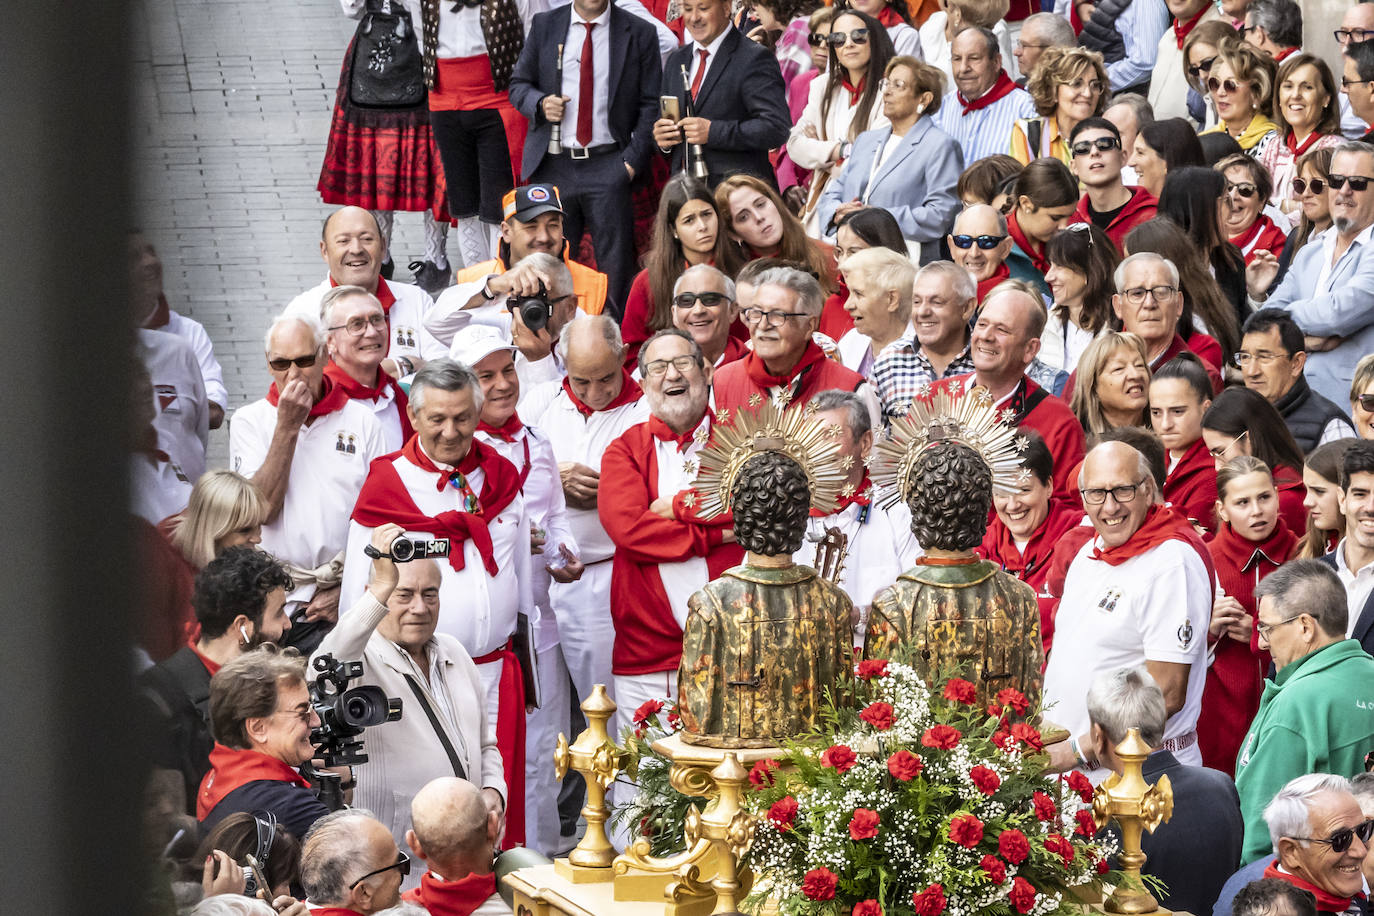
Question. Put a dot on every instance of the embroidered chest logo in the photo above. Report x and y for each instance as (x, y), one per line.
(1185, 635)
(166, 398)
(1108, 601)
(405, 337)
(346, 443)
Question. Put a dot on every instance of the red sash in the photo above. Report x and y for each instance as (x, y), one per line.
(1161, 524)
(231, 768)
(855, 92)
(889, 17)
(462, 897)
(629, 393)
(1291, 140)
(358, 391)
(332, 398)
(510, 738)
(1000, 89)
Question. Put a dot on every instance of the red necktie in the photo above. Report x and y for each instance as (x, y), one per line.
(701, 71)
(586, 96)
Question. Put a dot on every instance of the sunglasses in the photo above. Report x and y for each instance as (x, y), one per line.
(985, 242)
(1201, 67)
(1084, 147)
(300, 362)
(1340, 840)
(858, 36)
(1231, 86)
(710, 300)
(402, 865)
(816, 39)
(1357, 182)
(1303, 185)
(1366, 402)
(1244, 189)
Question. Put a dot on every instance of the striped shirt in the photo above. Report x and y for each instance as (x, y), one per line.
(987, 131)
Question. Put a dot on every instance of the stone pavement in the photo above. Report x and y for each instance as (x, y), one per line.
(232, 104)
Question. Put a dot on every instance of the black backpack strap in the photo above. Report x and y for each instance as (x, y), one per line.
(419, 692)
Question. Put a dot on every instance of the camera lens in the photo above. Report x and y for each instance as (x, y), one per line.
(534, 313)
(402, 549)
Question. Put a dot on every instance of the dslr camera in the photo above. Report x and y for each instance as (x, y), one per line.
(535, 311)
(404, 549)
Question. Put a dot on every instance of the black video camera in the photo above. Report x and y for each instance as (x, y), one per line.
(404, 549)
(535, 311)
(344, 713)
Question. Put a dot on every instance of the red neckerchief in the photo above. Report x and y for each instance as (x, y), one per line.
(862, 496)
(999, 89)
(629, 393)
(333, 911)
(888, 17)
(231, 768)
(986, 286)
(1249, 235)
(147, 444)
(505, 432)
(1327, 902)
(384, 295)
(384, 499)
(1161, 524)
(358, 391)
(663, 432)
(734, 349)
(758, 373)
(460, 897)
(1291, 142)
(1038, 259)
(332, 398)
(1000, 547)
(1286, 52)
(1181, 29)
(856, 91)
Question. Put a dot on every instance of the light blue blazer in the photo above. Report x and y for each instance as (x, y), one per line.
(915, 184)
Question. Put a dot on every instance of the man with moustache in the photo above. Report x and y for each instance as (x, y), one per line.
(357, 344)
(704, 306)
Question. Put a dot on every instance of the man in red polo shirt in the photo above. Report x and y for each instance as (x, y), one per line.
(1108, 204)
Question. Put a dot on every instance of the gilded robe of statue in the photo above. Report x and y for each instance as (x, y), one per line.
(967, 615)
(760, 647)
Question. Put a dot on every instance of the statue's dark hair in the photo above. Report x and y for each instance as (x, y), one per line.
(950, 489)
(771, 502)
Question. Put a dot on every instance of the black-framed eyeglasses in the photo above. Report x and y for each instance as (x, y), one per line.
(1366, 402)
(1096, 496)
(1357, 182)
(1347, 83)
(1136, 294)
(356, 325)
(858, 36)
(1340, 840)
(1348, 35)
(283, 363)
(985, 242)
(710, 300)
(1303, 185)
(1201, 67)
(1103, 144)
(769, 319)
(1264, 629)
(682, 364)
(402, 864)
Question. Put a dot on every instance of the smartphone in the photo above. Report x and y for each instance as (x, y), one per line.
(669, 107)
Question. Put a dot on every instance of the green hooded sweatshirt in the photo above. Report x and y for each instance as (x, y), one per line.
(1316, 716)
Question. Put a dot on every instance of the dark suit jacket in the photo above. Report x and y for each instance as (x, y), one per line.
(635, 77)
(1364, 624)
(743, 97)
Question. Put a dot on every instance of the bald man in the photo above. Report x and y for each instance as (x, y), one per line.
(455, 834)
(350, 864)
(971, 245)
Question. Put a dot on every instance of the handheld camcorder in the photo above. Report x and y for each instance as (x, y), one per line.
(535, 311)
(404, 549)
(344, 712)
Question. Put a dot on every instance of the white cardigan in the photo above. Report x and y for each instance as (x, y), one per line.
(815, 154)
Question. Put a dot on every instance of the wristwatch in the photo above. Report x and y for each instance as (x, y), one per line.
(487, 294)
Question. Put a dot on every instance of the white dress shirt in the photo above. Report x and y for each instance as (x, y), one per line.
(1358, 585)
(601, 77)
(711, 50)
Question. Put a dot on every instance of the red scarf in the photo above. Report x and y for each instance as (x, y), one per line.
(734, 349)
(1038, 259)
(461, 897)
(1161, 524)
(231, 768)
(1291, 140)
(664, 432)
(384, 295)
(862, 496)
(758, 373)
(998, 275)
(332, 398)
(1000, 547)
(889, 17)
(1285, 53)
(1000, 89)
(210, 664)
(333, 911)
(1181, 29)
(856, 91)
(1327, 902)
(384, 499)
(358, 391)
(505, 432)
(629, 393)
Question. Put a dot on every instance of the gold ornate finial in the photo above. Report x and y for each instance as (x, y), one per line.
(946, 415)
(1136, 806)
(599, 760)
(795, 433)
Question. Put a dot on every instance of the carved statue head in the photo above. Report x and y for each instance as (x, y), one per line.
(771, 501)
(951, 493)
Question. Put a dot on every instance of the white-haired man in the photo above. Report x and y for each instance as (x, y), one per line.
(351, 865)
(357, 342)
(307, 447)
(704, 306)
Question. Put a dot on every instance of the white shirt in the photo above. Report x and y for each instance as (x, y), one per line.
(409, 336)
(388, 414)
(183, 410)
(676, 472)
(460, 31)
(1358, 586)
(696, 64)
(1062, 343)
(601, 77)
(1328, 240)
(1154, 607)
(157, 488)
(327, 471)
(210, 370)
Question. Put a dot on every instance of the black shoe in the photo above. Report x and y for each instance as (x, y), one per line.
(388, 268)
(430, 277)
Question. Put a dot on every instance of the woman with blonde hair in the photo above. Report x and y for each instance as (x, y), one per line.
(1068, 85)
(225, 510)
(761, 226)
(1241, 85)
(1113, 383)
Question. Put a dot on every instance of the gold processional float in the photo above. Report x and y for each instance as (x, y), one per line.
(706, 878)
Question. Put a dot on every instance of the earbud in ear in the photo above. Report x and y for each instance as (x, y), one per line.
(243, 631)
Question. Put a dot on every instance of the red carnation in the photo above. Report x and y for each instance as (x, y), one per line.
(1022, 895)
(783, 812)
(646, 709)
(761, 774)
(1045, 809)
(1060, 847)
(1086, 825)
(1013, 846)
(1103, 867)
(966, 830)
(879, 715)
(1014, 698)
(943, 737)
(905, 766)
(870, 668)
(674, 721)
(1029, 734)
(864, 824)
(1004, 740)
(819, 884)
(839, 756)
(994, 869)
(867, 908)
(985, 779)
(929, 902)
(961, 691)
(1080, 784)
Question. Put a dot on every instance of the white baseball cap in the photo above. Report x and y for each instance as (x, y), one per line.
(476, 342)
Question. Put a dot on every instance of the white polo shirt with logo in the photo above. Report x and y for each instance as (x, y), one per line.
(183, 409)
(406, 317)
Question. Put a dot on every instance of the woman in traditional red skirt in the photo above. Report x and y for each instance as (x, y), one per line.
(385, 159)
